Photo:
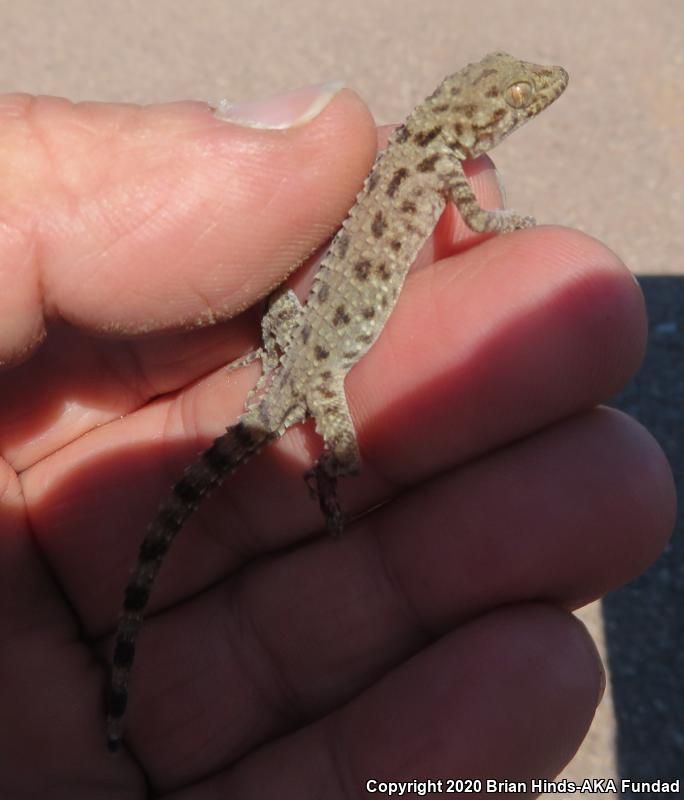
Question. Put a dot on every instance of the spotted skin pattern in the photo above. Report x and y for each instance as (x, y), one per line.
(308, 350)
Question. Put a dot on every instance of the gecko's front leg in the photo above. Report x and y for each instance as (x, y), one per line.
(480, 219)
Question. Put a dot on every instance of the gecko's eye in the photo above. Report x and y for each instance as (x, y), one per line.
(519, 95)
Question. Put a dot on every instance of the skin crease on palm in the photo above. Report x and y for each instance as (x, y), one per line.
(434, 638)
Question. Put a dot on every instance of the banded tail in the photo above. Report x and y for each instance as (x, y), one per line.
(235, 447)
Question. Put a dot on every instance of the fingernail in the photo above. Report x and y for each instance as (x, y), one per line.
(281, 111)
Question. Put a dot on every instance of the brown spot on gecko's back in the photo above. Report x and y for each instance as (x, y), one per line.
(368, 312)
(492, 92)
(401, 134)
(323, 292)
(384, 272)
(395, 244)
(341, 316)
(396, 180)
(321, 353)
(424, 138)
(440, 108)
(306, 332)
(373, 179)
(408, 207)
(467, 111)
(455, 91)
(428, 164)
(341, 244)
(362, 269)
(485, 127)
(458, 128)
(378, 225)
(484, 74)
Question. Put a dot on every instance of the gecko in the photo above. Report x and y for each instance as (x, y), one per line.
(308, 349)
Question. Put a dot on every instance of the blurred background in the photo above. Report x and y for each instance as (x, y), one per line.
(608, 159)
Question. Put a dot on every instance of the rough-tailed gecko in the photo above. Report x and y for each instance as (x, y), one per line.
(308, 350)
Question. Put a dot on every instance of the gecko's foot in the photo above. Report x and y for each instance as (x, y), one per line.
(310, 480)
(511, 221)
(323, 487)
(526, 222)
(243, 361)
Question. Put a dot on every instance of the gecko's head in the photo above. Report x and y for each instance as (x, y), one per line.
(480, 105)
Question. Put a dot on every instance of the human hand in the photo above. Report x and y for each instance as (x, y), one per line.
(434, 638)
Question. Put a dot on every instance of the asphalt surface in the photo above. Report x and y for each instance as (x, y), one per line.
(644, 621)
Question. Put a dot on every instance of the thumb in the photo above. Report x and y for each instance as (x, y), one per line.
(123, 219)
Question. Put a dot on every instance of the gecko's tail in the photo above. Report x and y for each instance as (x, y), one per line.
(237, 445)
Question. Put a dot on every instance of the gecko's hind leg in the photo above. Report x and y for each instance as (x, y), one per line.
(278, 324)
(328, 405)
